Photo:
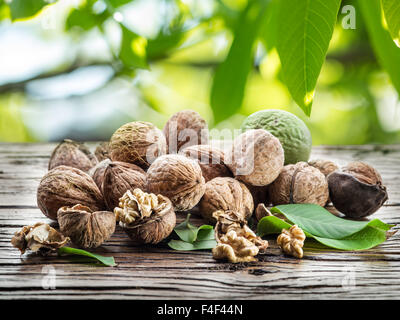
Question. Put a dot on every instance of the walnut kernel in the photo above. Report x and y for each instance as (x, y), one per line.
(291, 241)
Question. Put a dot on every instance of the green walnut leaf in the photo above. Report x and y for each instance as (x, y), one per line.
(21, 9)
(192, 237)
(108, 261)
(305, 28)
(387, 53)
(319, 224)
(391, 10)
(133, 49)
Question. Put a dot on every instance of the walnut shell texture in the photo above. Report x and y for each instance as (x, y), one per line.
(86, 228)
(178, 178)
(67, 186)
(325, 166)
(154, 228)
(102, 151)
(226, 194)
(137, 142)
(210, 159)
(73, 154)
(97, 172)
(185, 128)
(256, 158)
(357, 191)
(118, 178)
(299, 183)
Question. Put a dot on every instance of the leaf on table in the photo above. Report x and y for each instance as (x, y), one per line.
(108, 261)
(387, 53)
(304, 31)
(230, 78)
(197, 245)
(391, 10)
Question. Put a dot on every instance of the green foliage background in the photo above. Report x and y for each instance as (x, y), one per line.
(225, 59)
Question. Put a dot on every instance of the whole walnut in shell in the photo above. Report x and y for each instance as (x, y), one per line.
(224, 193)
(146, 218)
(120, 177)
(102, 151)
(67, 186)
(325, 166)
(86, 228)
(97, 172)
(73, 154)
(185, 128)
(299, 183)
(138, 143)
(256, 158)
(357, 190)
(178, 178)
(210, 159)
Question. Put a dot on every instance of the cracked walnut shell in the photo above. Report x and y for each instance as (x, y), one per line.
(67, 186)
(178, 178)
(146, 218)
(291, 241)
(299, 183)
(256, 157)
(40, 238)
(73, 154)
(137, 142)
(224, 193)
(86, 228)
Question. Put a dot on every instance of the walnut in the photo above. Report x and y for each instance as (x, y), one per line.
(185, 128)
(67, 186)
(178, 178)
(261, 212)
(118, 178)
(73, 154)
(211, 161)
(86, 228)
(102, 151)
(97, 172)
(291, 241)
(224, 193)
(138, 143)
(256, 157)
(259, 194)
(146, 218)
(236, 242)
(357, 191)
(299, 183)
(40, 238)
(325, 166)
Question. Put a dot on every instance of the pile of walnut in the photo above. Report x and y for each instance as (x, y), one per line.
(143, 175)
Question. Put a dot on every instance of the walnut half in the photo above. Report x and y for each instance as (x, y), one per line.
(236, 242)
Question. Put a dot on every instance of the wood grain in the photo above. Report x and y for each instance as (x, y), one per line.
(157, 272)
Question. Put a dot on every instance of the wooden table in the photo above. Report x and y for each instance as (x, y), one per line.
(157, 272)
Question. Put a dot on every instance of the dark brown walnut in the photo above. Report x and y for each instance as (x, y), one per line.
(97, 172)
(85, 228)
(73, 154)
(102, 151)
(67, 186)
(357, 191)
(256, 157)
(40, 238)
(185, 128)
(178, 178)
(120, 177)
(259, 194)
(325, 166)
(138, 143)
(224, 193)
(299, 183)
(210, 159)
(146, 218)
